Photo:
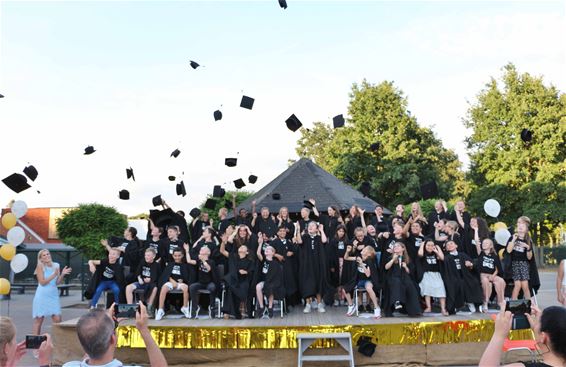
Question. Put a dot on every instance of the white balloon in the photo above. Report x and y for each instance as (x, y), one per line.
(502, 236)
(492, 207)
(19, 263)
(16, 235)
(19, 208)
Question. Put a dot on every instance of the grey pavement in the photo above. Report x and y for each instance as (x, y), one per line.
(19, 308)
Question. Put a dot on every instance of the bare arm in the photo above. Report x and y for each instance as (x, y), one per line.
(391, 262)
(511, 244)
(41, 279)
(559, 279)
(156, 357)
(298, 238)
(258, 252)
(223, 246)
(439, 253)
(421, 251)
(347, 254)
(322, 234)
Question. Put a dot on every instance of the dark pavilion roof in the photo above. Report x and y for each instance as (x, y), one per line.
(304, 180)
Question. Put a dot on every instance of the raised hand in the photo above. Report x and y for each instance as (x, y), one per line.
(66, 270)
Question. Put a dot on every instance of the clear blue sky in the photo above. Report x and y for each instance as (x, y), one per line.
(115, 75)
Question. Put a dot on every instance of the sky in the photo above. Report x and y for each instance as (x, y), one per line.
(116, 75)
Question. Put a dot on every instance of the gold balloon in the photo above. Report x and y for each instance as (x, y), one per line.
(7, 251)
(499, 225)
(9, 220)
(4, 286)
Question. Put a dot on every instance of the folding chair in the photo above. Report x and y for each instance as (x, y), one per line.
(216, 302)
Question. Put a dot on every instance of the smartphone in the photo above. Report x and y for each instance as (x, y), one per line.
(519, 308)
(34, 341)
(125, 310)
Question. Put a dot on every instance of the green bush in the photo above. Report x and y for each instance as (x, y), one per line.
(554, 255)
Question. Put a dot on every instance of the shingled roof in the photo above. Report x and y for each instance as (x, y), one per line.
(304, 180)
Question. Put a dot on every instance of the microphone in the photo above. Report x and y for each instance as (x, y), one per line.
(400, 260)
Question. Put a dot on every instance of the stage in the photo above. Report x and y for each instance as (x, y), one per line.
(431, 339)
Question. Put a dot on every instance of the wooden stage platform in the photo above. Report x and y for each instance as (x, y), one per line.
(427, 340)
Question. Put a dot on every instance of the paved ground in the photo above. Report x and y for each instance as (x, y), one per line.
(19, 308)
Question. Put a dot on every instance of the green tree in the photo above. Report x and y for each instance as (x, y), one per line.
(85, 226)
(408, 155)
(241, 196)
(503, 109)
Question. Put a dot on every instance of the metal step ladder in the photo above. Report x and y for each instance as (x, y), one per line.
(305, 340)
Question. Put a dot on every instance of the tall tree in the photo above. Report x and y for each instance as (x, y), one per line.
(407, 155)
(503, 109)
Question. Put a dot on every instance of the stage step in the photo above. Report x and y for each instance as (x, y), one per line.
(305, 340)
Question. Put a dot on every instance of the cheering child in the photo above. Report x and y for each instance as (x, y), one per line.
(432, 284)
(109, 274)
(270, 281)
(238, 279)
(206, 278)
(520, 246)
(147, 275)
(401, 286)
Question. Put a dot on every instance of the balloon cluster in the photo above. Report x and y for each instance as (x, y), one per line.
(16, 236)
(502, 234)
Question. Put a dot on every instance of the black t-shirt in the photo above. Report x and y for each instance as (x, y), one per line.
(381, 225)
(176, 273)
(430, 262)
(340, 246)
(264, 269)
(361, 271)
(487, 263)
(150, 271)
(168, 246)
(205, 275)
(388, 243)
(109, 271)
(247, 220)
(265, 225)
(519, 253)
(222, 225)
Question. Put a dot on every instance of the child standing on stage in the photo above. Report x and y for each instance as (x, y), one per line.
(490, 267)
(520, 246)
(432, 284)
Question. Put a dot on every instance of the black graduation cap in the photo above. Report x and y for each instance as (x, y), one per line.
(247, 102)
(89, 150)
(429, 190)
(171, 178)
(276, 196)
(218, 191)
(181, 189)
(252, 179)
(210, 204)
(526, 135)
(194, 64)
(161, 218)
(283, 4)
(338, 121)
(31, 172)
(217, 115)
(365, 188)
(195, 212)
(130, 173)
(175, 153)
(293, 123)
(157, 200)
(228, 204)
(239, 183)
(124, 195)
(374, 147)
(1, 96)
(231, 162)
(366, 346)
(308, 204)
(16, 182)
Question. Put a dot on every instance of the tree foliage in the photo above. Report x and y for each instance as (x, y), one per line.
(83, 228)
(408, 155)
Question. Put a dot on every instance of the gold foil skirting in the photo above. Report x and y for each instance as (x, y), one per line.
(196, 337)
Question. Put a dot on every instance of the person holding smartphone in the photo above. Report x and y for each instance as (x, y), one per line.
(11, 352)
(549, 327)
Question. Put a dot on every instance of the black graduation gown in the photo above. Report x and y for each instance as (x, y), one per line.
(151, 271)
(334, 252)
(352, 224)
(465, 235)
(166, 248)
(381, 225)
(97, 277)
(433, 218)
(273, 279)
(402, 287)
(197, 228)
(289, 226)
(166, 274)
(290, 267)
(462, 286)
(237, 285)
(330, 224)
(265, 225)
(313, 270)
(222, 225)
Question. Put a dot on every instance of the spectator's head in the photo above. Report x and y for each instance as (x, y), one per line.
(7, 341)
(204, 253)
(416, 209)
(523, 224)
(368, 252)
(149, 255)
(333, 211)
(429, 245)
(312, 228)
(269, 252)
(398, 228)
(95, 330)
(229, 230)
(400, 209)
(204, 217)
(243, 213)
(130, 233)
(209, 233)
(416, 228)
(460, 206)
(439, 206)
(551, 330)
(451, 226)
(487, 245)
(113, 255)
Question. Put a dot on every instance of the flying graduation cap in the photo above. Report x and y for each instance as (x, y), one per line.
(171, 178)
(231, 162)
(31, 172)
(218, 192)
(210, 204)
(374, 147)
(124, 195)
(365, 188)
(293, 123)
(175, 153)
(338, 121)
(89, 150)
(16, 182)
(130, 174)
(252, 179)
(180, 189)
(239, 183)
(283, 4)
(526, 135)
(217, 115)
(156, 201)
(247, 102)
(194, 64)
(1, 96)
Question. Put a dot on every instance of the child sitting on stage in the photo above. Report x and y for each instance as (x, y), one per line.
(109, 274)
(147, 275)
(270, 280)
(238, 279)
(365, 279)
(489, 267)
(175, 276)
(432, 284)
(401, 286)
(461, 285)
(206, 278)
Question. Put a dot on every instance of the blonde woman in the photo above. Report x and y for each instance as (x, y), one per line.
(46, 299)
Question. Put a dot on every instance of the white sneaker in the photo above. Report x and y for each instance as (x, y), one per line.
(307, 308)
(336, 303)
(321, 307)
(185, 311)
(472, 307)
(159, 314)
(377, 313)
(351, 310)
